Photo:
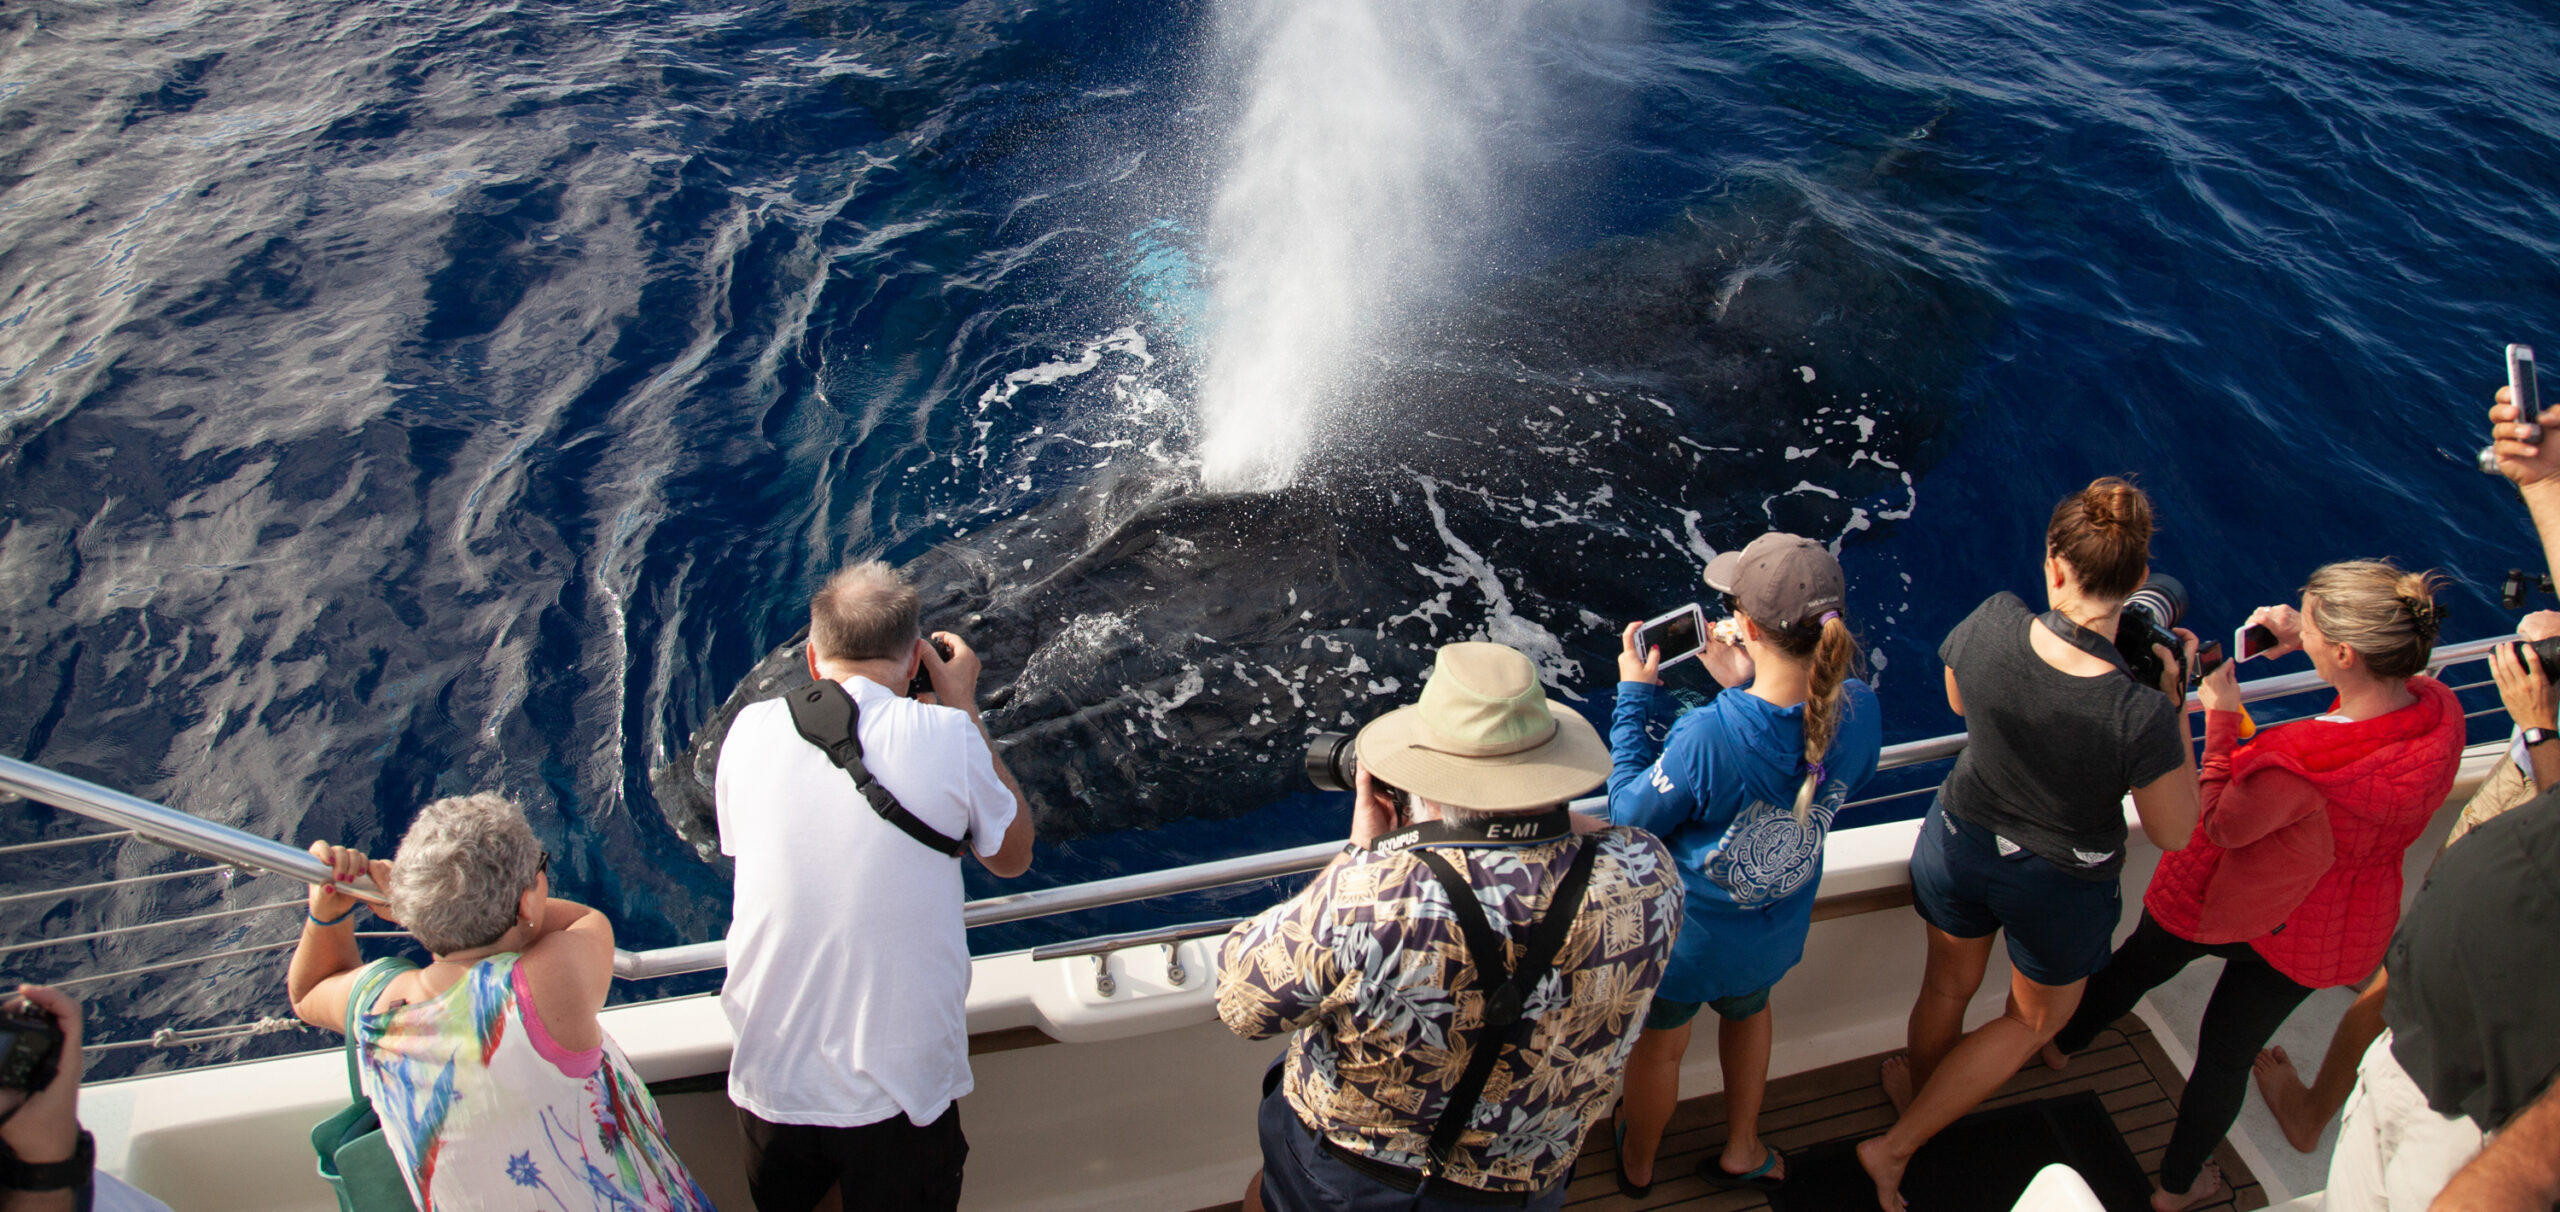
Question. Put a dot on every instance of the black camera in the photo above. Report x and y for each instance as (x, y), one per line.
(923, 682)
(30, 1047)
(2149, 618)
(1331, 763)
(2548, 650)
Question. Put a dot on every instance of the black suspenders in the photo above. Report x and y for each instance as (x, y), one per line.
(828, 719)
(1507, 989)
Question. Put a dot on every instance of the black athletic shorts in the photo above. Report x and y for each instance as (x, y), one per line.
(889, 1166)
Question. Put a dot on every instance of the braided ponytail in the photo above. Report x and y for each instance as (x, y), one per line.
(1833, 654)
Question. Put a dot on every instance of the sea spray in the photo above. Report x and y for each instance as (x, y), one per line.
(1366, 166)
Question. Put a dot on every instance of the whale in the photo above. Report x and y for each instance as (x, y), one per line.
(1536, 464)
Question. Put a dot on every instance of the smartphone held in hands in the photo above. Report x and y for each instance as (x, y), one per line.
(30, 1046)
(1679, 634)
(2252, 640)
(2523, 392)
(2521, 387)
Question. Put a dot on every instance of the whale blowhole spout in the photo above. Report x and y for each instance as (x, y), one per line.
(1360, 174)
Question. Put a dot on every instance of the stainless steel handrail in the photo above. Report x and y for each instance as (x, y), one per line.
(168, 826)
(225, 844)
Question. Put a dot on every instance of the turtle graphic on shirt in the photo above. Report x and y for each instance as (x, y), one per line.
(1766, 854)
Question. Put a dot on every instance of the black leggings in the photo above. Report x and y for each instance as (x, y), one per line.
(2250, 1001)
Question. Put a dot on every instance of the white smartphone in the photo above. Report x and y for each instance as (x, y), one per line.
(2521, 392)
(1680, 634)
(2520, 383)
(2251, 639)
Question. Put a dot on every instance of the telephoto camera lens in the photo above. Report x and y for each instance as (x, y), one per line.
(1331, 763)
(2162, 598)
(2147, 618)
(2548, 650)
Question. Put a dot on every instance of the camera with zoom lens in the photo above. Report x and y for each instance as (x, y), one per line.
(1333, 764)
(2149, 618)
(922, 684)
(2548, 650)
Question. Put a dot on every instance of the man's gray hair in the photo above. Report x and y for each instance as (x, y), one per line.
(462, 867)
(865, 612)
(1476, 820)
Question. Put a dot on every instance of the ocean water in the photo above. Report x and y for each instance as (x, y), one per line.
(400, 399)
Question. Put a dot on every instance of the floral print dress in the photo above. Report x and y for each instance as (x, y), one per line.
(486, 1111)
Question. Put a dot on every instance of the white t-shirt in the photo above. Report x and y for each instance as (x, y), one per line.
(848, 965)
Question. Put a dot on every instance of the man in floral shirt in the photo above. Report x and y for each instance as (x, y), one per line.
(1371, 965)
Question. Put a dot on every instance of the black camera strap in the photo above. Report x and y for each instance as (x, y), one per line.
(1507, 989)
(827, 718)
(1499, 831)
(2084, 639)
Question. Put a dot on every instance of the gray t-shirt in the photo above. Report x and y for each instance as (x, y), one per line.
(2048, 756)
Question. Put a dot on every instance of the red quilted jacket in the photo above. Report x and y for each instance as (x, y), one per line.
(2298, 848)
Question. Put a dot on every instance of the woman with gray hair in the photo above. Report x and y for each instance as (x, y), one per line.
(494, 1080)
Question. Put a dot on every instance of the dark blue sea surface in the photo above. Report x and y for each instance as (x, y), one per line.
(402, 399)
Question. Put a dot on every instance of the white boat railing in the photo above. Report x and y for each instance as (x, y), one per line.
(233, 852)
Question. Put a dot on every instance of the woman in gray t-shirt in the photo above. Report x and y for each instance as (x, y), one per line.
(2027, 835)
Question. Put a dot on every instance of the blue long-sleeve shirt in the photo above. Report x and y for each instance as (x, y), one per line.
(1721, 793)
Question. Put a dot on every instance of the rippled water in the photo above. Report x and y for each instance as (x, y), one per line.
(398, 399)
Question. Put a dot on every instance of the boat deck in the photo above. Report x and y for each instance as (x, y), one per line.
(2125, 1066)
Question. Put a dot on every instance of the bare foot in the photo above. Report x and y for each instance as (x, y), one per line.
(2208, 1186)
(1896, 1080)
(2053, 1057)
(2288, 1099)
(1881, 1167)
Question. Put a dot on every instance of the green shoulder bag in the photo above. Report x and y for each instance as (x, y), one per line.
(355, 1158)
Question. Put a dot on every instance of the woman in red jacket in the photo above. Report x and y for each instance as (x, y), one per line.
(2293, 875)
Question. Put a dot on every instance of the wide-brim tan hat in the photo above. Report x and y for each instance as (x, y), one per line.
(1485, 736)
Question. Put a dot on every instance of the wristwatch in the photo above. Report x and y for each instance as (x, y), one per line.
(17, 1175)
(2536, 736)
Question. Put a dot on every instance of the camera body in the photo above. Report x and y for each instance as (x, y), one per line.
(2149, 618)
(2548, 650)
(30, 1047)
(923, 682)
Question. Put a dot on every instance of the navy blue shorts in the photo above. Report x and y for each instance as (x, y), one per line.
(1667, 1015)
(1298, 1175)
(2061, 927)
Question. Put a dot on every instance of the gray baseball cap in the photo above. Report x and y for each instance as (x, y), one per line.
(1781, 579)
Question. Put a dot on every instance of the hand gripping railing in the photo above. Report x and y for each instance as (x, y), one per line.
(234, 848)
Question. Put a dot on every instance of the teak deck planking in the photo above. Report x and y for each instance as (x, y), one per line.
(2124, 1065)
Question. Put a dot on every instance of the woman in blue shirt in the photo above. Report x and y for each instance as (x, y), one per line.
(1743, 790)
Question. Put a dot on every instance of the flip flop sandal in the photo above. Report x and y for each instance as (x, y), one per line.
(1627, 1186)
(1764, 1177)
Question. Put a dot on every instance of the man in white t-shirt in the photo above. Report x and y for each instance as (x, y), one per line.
(848, 963)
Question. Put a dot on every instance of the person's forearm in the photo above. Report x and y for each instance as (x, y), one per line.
(2519, 1171)
(40, 1201)
(2542, 500)
(324, 952)
(1003, 772)
(2546, 765)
